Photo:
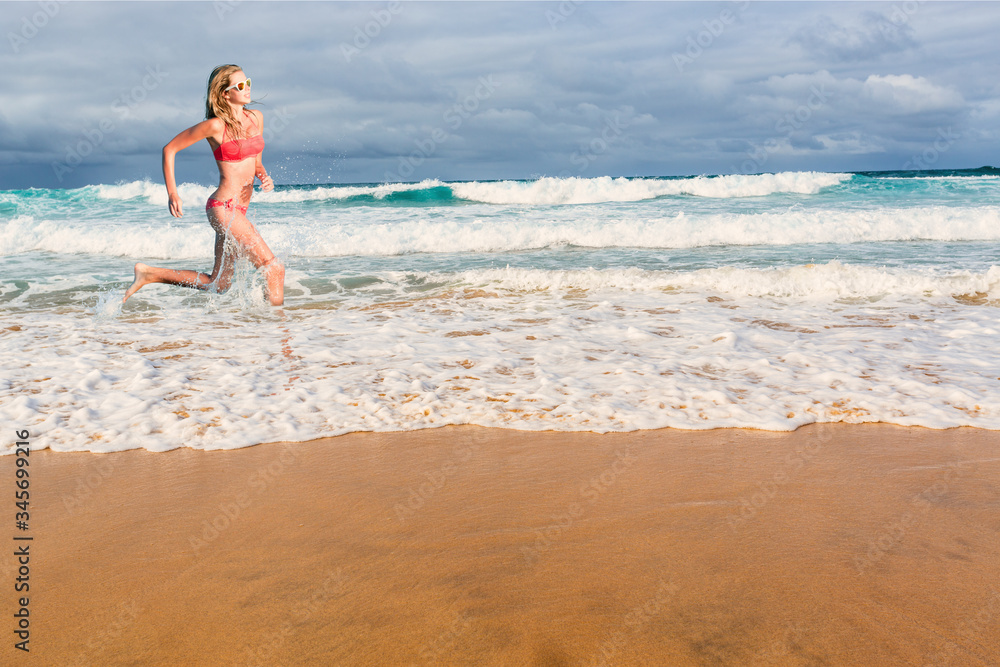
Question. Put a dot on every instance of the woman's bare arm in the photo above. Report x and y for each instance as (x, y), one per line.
(188, 137)
(266, 184)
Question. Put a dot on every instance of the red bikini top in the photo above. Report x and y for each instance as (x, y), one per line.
(235, 150)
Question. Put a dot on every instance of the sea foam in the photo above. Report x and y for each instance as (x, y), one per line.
(606, 189)
(400, 231)
(601, 304)
(580, 350)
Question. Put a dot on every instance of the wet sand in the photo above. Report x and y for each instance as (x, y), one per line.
(835, 544)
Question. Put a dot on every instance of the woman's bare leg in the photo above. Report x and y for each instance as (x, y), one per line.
(274, 272)
(242, 237)
(247, 239)
(145, 275)
(219, 279)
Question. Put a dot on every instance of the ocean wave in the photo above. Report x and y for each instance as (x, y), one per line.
(828, 281)
(155, 193)
(342, 192)
(147, 192)
(611, 350)
(959, 178)
(133, 190)
(548, 191)
(543, 191)
(357, 232)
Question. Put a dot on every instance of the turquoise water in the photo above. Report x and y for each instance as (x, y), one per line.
(601, 304)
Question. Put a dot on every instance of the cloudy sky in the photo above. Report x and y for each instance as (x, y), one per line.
(383, 91)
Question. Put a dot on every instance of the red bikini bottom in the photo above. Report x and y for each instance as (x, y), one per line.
(229, 204)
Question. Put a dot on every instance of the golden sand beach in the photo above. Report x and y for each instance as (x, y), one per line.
(833, 544)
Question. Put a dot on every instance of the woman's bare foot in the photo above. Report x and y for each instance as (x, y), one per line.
(141, 278)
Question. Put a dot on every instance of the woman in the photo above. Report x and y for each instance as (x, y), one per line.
(239, 162)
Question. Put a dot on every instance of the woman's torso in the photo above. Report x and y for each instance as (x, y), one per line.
(237, 160)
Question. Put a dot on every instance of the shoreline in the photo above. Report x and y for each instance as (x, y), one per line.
(513, 431)
(860, 544)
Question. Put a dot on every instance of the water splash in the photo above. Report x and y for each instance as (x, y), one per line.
(109, 305)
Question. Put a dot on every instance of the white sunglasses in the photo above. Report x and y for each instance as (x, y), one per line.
(239, 86)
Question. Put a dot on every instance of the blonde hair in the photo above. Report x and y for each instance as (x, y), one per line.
(216, 105)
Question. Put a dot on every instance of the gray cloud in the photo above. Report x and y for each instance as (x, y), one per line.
(869, 36)
(355, 106)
